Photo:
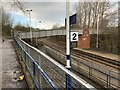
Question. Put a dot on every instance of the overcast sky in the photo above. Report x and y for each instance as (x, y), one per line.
(49, 13)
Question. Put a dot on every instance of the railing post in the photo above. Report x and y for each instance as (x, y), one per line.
(68, 82)
(90, 70)
(33, 68)
(78, 65)
(24, 53)
(40, 79)
(28, 57)
(109, 78)
(19, 53)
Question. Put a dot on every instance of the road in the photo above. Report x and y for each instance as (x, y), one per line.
(10, 67)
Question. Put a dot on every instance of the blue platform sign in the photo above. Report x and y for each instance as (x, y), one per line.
(72, 19)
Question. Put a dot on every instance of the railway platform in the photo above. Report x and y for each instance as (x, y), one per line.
(60, 41)
(101, 53)
(11, 69)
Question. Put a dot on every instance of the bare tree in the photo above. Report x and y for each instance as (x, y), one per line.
(87, 13)
(56, 26)
(7, 22)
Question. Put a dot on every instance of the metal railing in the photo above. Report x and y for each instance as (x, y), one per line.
(45, 71)
(99, 73)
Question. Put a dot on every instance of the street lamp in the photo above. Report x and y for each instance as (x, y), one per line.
(97, 32)
(97, 43)
(39, 21)
(30, 24)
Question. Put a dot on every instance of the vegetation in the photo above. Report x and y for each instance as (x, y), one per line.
(6, 21)
(56, 26)
(107, 42)
(6, 24)
(88, 13)
(20, 27)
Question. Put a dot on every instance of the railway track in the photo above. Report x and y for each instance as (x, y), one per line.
(92, 56)
(86, 56)
(96, 58)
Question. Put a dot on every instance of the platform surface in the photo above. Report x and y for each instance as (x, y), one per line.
(102, 54)
(11, 69)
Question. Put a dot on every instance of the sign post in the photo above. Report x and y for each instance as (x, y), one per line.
(70, 36)
(67, 36)
(68, 62)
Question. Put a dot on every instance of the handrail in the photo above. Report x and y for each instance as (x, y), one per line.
(78, 79)
(40, 69)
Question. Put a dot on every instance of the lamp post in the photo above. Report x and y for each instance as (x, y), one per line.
(36, 37)
(30, 23)
(39, 21)
(97, 43)
(97, 31)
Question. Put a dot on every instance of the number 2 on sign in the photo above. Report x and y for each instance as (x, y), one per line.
(74, 36)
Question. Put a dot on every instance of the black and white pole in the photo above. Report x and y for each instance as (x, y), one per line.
(68, 61)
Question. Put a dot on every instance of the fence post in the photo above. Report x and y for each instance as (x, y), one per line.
(90, 70)
(78, 65)
(33, 68)
(107, 80)
(68, 81)
(109, 77)
(40, 77)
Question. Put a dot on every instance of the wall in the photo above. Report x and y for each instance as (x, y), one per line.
(84, 40)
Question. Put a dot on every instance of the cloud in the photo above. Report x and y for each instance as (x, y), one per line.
(47, 12)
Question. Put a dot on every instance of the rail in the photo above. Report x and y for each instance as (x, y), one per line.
(45, 71)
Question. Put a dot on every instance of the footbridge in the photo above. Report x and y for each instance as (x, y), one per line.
(45, 33)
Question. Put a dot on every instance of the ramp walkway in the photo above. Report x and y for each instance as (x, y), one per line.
(10, 67)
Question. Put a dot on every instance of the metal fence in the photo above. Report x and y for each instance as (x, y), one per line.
(100, 73)
(45, 71)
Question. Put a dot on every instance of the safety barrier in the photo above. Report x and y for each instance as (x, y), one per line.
(45, 71)
(108, 77)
